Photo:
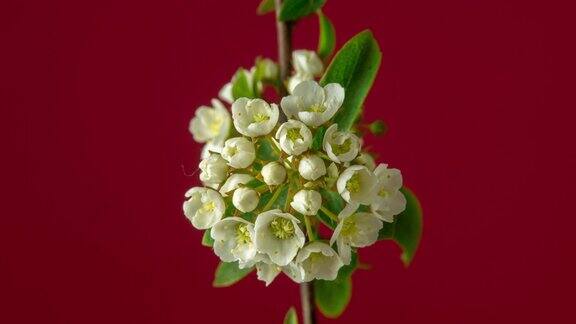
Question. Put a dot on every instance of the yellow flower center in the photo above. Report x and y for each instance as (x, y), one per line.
(342, 148)
(242, 234)
(353, 185)
(294, 134)
(383, 193)
(282, 228)
(349, 227)
(259, 118)
(317, 108)
(208, 207)
(214, 125)
(232, 150)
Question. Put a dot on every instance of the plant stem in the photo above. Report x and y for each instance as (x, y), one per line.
(283, 31)
(307, 296)
(284, 37)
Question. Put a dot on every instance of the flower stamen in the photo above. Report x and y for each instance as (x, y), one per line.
(282, 228)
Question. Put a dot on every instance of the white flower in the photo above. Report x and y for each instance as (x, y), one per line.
(357, 230)
(332, 175)
(294, 271)
(389, 200)
(266, 270)
(239, 152)
(295, 80)
(313, 104)
(319, 261)
(307, 62)
(273, 173)
(278, 235)
(226, 92)
(234, 182)
(340, 146)
(267, 69)
(306, 202)
(311, 167)
(294, 137)
(245, 199)
(367, 160)
(254, 117)
(204, 207)
(234, 239)
(210, 124)
(214, 170)
(356, 185)
(307, 66)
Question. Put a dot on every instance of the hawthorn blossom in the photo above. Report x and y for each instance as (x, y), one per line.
(312, 104)
(356, 185)
(294, 137)
(307, 66)
(245, 199)
(234, 239)
(356, 230)
(234, 182)
(239, 152)
(254, 117)
(340, 146)
(389, 200)
(273, 173)
(307, 202)
(278, 235)
(319, 261)
(204, 207)
(311, 167)
(214, 170)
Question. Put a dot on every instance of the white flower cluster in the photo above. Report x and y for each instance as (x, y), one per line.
(258, 233)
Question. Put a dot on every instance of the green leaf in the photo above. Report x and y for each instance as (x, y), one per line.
(291, 317)
(296, 9)
(228, 273)
(347, 270)
(280, 198)
(332, 297)
(241, 87)
(327, 38)
(408, 230)
(265, 7)
(254, 183)
(387, 231)
(265, 151)
(333, 201)
(264, 199)
(354, 67)
(207, 240)
(318, 138)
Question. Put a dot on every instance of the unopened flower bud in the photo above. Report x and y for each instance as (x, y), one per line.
(273, 173)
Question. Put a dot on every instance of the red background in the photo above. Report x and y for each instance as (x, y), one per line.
(97, 96)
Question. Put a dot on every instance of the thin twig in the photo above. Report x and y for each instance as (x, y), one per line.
(284, 37)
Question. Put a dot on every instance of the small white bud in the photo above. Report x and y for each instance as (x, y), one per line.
(311, 167)
(306, 202)
(273, 173)
(245, 199)
(214, 170)
(239, 152)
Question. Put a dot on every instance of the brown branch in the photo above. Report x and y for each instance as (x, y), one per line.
(307, 298)
(284, 38)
